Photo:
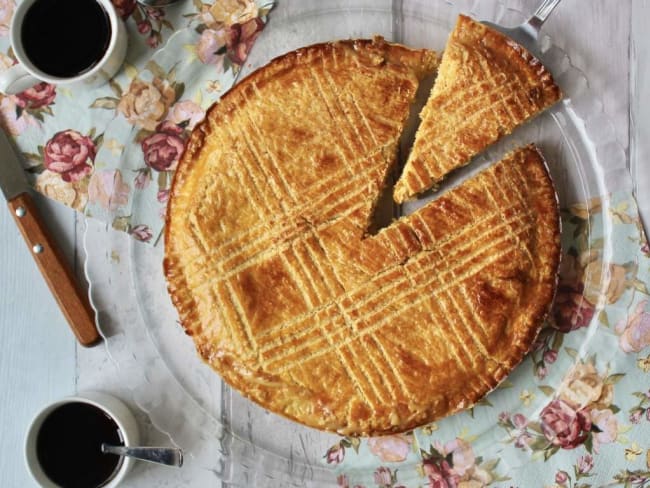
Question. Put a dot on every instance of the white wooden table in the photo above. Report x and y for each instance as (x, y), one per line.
(39, 359)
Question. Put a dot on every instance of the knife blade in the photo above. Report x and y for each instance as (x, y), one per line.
(71, 298)
(12, 177)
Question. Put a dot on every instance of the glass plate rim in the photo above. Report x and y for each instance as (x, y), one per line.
(597, 119)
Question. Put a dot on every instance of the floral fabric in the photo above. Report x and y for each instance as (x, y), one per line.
(103, 150)
(576, 412)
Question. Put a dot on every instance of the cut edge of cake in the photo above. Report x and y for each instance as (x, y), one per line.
(431, 159)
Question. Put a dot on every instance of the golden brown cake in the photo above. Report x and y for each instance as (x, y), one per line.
(287, 297)
(487, 85)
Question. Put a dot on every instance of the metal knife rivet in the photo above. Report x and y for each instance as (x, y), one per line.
(21, 212)
(38, 248)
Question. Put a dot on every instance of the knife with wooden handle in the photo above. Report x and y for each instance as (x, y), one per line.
(70, 296)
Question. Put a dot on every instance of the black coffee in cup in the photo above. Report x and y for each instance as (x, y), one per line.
(68, 446)
(65, 38)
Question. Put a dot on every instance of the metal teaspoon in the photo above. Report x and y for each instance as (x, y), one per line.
(169, 456)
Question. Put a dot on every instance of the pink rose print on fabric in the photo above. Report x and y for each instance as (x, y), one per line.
(563, 426)
(550, 356)
(582, 412)
(163, 149)
(606, 427)
(585, 463)
(70, 154)
(519, 420)
(13, 118)
(454, 464)
(561, 477)
(572, 311)
(581, 469)
(142, 233)
(149, 21)
(143, 178)
(155, 13)
(107, 189)
(440, 475)
(635, 416)
(342, 481)
(635, 331)
(38, 96)
(383, 476)
(229, 29)
(124, 8)
(522, 438)
(642, 408)
(144, 27)
(462, 456)
(186, 112)
(541, 372)
(581, 279)
(241, 38)
(211, 45)
(154, 39)
(162, 196)
(391, 448)
(335, 454)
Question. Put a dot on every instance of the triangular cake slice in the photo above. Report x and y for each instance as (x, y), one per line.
(487, 85)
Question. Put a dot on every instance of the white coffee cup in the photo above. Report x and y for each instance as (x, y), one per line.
(25, 74)
(111, 406)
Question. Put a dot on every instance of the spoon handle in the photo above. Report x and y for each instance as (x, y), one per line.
(542, 13)
(169, 456)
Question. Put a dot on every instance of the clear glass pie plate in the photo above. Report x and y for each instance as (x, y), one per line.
(230, 440)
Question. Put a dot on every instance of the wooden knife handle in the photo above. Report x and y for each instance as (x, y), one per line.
(70, 296)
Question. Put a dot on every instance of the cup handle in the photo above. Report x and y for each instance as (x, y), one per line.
(16, 79)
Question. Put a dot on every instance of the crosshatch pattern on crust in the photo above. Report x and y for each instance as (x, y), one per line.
(270, 266)
(486, 87)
